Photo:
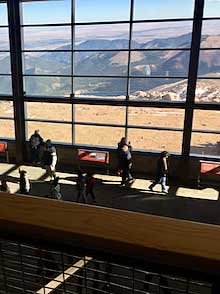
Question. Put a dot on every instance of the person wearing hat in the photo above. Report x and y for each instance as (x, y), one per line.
(161, 172)
(35, 143)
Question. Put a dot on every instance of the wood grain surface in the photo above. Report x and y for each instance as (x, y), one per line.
(132, 233)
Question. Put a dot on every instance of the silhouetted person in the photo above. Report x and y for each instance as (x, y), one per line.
(90, 183)
(50, 159)
(120, 154)
(24, 182)
(81, 186)
(125, 165)
(55, 189)
(4, 186)
(35, 143)
(161, 172)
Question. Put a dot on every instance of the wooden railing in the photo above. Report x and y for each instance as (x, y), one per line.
(184, 244)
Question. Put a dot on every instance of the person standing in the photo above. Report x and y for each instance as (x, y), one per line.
(90, 183)
(81, 186)
(50, 159)
(125, 165)
(55, 189)
(161, 172)
(120, 153)
(24, 182)
(35, 142)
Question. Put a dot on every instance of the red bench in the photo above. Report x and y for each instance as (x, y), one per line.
(208, 167)
(4, 149)
(93, 156)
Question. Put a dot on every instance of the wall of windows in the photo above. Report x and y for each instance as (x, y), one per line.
(94, 71)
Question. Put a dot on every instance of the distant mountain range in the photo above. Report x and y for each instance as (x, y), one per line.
(143, 64)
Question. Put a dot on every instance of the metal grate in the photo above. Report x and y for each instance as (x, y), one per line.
(35, 269)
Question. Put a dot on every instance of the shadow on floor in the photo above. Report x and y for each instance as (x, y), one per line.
(109, 194)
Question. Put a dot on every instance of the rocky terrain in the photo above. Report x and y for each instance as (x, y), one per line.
(109, 136)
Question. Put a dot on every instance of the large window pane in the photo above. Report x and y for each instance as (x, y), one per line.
(99, 37)
(206, 120)
(7, 129)
(205, 144)
(160, 63)
(4, 37)
(208, 90)
(101, 63)
(101, 136)
(5, 85)
(210, 34)
(100, 114)
(153, 140)
(100, 10)
(5, 63)
(54, 63)
(209, 63)
(3, 14)
(6, 109)
(158, 9)
(48, 86)
(212, 8)
(158, 89)
(47, 38)
(52, 111)
(44, 12)
(100, 87)
(162, 35)
(54, 131)
(156, 117)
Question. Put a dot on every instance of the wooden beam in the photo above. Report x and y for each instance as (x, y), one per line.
(157, 239)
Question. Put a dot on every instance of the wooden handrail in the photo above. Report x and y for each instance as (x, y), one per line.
(158, 239)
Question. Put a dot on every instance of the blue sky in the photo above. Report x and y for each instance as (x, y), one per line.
(58, 11)
(102, 10)
(107, 10)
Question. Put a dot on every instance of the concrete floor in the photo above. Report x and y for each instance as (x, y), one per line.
(180, 202)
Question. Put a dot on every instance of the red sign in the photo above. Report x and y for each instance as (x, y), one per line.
(92, 155)
(3, 146)
(210, 167)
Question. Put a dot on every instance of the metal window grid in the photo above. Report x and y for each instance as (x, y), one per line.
(29, 268)
(19, 96)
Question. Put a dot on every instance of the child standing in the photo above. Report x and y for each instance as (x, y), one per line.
(90, 183)
(81, 186)
(55, 189)
(24, 182)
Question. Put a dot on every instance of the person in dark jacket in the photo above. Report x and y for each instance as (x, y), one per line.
(90, 183)
(125, 163)
(120, 153)
(81, 186)
(161, 172)
(35, 143)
